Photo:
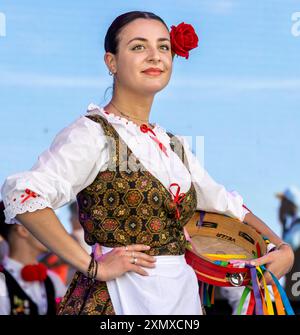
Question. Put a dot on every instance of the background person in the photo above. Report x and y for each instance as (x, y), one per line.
(289, 218)
(29, 288)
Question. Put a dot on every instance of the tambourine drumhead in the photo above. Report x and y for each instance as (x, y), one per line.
(214, 235)
(206, 245)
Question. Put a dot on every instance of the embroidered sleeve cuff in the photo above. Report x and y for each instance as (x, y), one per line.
(20, 203)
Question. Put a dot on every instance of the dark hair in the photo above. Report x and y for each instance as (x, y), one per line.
(111, 38)
(4, 228)
(111, 41)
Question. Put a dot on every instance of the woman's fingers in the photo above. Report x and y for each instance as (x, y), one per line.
(140, 255)
(124, 259)
(135, 247)
(140, 259)
(260, 261)
(141, 262)
(138, 269)
(135, 251)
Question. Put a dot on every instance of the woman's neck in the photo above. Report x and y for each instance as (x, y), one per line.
(135, 108)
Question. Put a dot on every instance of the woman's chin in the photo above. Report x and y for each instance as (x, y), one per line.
(154, 88)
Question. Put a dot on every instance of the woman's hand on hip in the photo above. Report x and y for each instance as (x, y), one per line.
(124, 259)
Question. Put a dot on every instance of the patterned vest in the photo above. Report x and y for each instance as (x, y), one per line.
(130, 205)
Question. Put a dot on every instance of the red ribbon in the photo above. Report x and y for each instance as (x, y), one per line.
(247, 208)
(177, 198)
(251, 305)
(30, 193)
(144, 128)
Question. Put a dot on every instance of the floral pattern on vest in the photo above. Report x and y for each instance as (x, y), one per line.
(126, 204)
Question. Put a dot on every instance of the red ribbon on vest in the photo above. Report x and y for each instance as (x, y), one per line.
(178, 197)
(34, 272)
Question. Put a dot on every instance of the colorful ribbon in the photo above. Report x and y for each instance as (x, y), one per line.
(287, 306)
(261, 299)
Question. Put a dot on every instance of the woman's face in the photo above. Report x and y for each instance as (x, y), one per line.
(135, 56)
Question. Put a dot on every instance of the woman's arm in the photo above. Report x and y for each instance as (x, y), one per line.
(255, 222)
(213, 197)
(280, 261)
(47, 228)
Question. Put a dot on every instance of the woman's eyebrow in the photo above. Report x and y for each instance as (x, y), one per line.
(145, 40)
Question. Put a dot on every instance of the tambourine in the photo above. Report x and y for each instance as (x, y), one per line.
(214, 239)
(216, 247)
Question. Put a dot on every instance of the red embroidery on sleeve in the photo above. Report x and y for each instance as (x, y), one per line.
(30, 194)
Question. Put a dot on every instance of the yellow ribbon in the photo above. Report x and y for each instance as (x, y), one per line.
(270, 308)
(217, 257)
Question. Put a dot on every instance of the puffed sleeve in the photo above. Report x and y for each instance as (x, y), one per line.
(211, 196)
(72, 162)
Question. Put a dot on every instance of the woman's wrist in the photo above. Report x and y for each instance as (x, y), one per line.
(278, 246)
(283, 245)
(93, 270)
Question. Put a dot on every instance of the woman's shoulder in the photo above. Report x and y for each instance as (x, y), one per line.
(82, 125)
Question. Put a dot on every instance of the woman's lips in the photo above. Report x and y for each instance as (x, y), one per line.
(153, 73)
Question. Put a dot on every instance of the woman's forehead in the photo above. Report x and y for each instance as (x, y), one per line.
(145, 28)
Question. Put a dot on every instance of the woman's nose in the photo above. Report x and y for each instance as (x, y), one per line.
(153, 54)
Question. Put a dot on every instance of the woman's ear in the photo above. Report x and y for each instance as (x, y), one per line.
(110, 62)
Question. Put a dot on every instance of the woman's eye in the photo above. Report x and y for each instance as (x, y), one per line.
(166, 47)
(137, 47)
(134, 48)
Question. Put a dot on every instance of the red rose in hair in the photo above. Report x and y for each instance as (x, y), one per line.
(34, 272)
(183, 39)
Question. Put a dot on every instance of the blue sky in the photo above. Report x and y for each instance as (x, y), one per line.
(240, 89)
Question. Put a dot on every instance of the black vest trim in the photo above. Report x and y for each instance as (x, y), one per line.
(21, 303)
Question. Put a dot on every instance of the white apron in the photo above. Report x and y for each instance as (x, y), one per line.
(170, 289)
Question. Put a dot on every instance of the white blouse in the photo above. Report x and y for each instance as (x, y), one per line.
(80, 151)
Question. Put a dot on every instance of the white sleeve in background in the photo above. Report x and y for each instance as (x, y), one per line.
(211, 196)
(72, 162)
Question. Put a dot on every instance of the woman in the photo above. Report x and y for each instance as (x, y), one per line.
(136, 214)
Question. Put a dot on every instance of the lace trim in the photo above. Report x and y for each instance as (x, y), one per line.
(113, 118)
(14, 208)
